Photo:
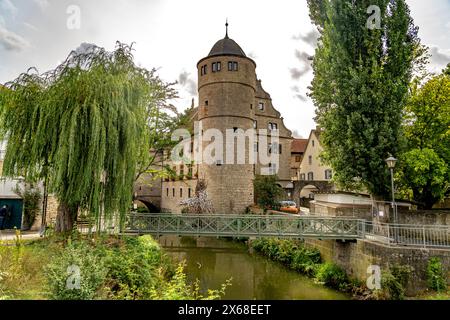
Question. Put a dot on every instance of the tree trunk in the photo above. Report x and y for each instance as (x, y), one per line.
(65, 218)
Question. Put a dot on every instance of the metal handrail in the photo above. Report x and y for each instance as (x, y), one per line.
(321, 227)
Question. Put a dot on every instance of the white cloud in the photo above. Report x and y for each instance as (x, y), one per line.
(439, 58)
(8, 6)
(42, 4)
(12, 41)
(30, 26)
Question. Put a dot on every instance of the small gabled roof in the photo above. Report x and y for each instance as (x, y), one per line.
(299, 145)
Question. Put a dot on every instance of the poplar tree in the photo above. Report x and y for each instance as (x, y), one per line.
(79, 128)
(361, 76)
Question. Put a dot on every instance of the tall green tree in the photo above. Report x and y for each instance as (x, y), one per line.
(267, 191)
(361, 79)
(162, 119)
(425, 164)
(78, 127)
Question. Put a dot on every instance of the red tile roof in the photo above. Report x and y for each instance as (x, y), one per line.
(299, 145)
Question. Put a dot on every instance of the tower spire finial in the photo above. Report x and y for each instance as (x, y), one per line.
(226, 29)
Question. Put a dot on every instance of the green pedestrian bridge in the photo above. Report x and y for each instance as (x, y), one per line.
(297, 227)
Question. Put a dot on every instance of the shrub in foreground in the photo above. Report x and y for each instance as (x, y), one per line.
(436, 275)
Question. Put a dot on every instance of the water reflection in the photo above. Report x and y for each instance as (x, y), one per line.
(213, 261)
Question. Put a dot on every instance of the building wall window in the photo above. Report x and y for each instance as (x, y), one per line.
(206, 103)
(275, 148)
(255, 124)
(256, 146)
(272, 126)
(204, 70)
(216, 66)
(182, 170)
(167, 192)
(302, 176)
(313, 143)
(298, 158)
(261, 106)
(310, 176)
(328, 174)
(232, 66)
(273, 168)
(173, 192)
(309, 159)
(189, 192)
(181, 192)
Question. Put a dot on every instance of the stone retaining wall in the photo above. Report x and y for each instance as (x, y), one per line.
(355, 257)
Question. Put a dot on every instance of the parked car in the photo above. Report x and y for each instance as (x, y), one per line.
(289, 207)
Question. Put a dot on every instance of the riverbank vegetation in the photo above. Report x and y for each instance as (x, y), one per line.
(102, 267)
(308, 261)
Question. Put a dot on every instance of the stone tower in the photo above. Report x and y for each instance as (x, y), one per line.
(231, 101)
(226, 89)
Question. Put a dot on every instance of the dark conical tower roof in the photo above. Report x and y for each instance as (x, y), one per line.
(226, 46)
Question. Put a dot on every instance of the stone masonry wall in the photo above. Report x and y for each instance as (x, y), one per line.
(356, 257)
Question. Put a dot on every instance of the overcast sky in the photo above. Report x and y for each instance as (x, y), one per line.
(172, 35)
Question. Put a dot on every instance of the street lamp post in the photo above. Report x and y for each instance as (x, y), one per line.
(391, 161)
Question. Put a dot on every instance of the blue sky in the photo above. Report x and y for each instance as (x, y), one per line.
(172, 35)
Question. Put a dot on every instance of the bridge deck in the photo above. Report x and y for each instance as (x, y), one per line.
(246, 226)
(298, 227)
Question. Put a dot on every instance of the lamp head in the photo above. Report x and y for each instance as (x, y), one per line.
(391, 161)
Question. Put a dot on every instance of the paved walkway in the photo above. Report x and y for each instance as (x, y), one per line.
(6, 235)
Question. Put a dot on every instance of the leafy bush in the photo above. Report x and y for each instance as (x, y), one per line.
(142, 210)
(332, 276)
(290, 253)
(179, 289)
(394, 282)
(76, 273)
(306, 260)
(267, 191)
(31, 203)
(134, 268)
(391, 287)
(436, 276)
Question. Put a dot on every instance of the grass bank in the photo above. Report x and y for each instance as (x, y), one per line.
(101, 267)
(294, 255)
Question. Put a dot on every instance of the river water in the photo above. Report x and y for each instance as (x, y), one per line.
(213, 261)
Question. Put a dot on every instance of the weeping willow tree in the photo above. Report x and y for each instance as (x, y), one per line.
(79, 127)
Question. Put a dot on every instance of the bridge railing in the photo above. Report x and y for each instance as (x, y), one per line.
(427, 236)
(343, 228)
(245, 226)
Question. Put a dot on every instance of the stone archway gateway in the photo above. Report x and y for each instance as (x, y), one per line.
(149, 203)
(320, 186)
